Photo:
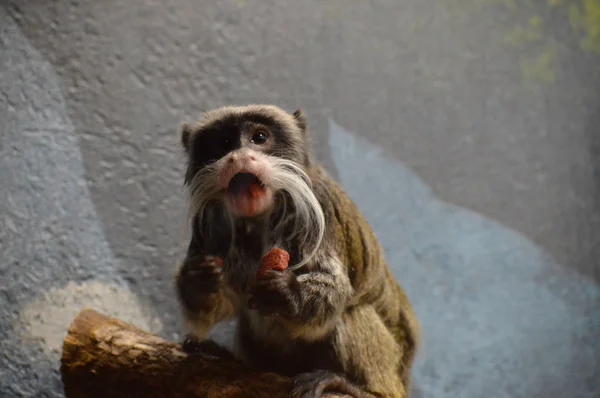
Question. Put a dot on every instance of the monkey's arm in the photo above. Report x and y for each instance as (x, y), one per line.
(224, 305)
(324, 293)
(309, 303)
(204, 298)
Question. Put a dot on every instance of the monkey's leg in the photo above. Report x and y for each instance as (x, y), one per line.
(369, 354)
(204, 297)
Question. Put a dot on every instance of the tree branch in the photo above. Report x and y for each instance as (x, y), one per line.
(106, 357)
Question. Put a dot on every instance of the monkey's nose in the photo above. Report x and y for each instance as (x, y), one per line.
(244, 158)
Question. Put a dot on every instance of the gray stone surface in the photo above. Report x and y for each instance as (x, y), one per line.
(54, 257)
(91, 206)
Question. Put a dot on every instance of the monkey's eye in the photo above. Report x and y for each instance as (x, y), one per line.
(259, 138)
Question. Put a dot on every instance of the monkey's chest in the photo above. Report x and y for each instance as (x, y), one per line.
(268, 347)
(243, 255)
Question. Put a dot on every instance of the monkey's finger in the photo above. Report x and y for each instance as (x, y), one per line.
(201, 261)
(271, 274)
(196, 292)
(203, 280)
(273, 284)
(209, 267)
(202, 284)
(214, 259)
(203, 272)
(315, 383)
(208, 287)
(307, 388)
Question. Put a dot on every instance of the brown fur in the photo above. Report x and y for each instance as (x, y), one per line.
(369, 274)
(341, 321)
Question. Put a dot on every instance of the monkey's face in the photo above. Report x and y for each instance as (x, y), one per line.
(248, 162)
(243, 156)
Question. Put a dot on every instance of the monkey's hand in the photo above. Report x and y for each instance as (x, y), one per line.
(193, 345)
(199, 281)
(276, 292)
(314, 384)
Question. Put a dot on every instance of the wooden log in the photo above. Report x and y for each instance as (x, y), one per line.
(106, 357)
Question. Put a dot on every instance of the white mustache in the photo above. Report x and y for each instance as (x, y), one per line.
(305, 216)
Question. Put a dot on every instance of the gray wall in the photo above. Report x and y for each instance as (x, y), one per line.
(468, 132)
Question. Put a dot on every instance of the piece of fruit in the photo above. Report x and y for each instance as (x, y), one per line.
(277, 259)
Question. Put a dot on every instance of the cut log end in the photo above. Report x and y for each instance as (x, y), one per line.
(106, 357)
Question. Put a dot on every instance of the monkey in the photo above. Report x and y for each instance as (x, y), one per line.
(336, 320)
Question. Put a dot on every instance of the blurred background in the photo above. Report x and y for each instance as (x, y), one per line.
(468, 131)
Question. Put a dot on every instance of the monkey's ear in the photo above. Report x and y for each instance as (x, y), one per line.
(185, 133)
(300, 118)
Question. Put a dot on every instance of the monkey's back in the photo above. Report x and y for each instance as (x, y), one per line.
(360, 251)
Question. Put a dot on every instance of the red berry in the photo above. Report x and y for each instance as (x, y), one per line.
(277, 259)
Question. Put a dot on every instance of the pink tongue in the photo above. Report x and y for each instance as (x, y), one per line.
(245, 204)
(246, 199)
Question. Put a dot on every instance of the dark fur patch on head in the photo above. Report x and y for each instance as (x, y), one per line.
(220, 130)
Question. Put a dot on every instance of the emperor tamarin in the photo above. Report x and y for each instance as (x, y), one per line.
(336, 319)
